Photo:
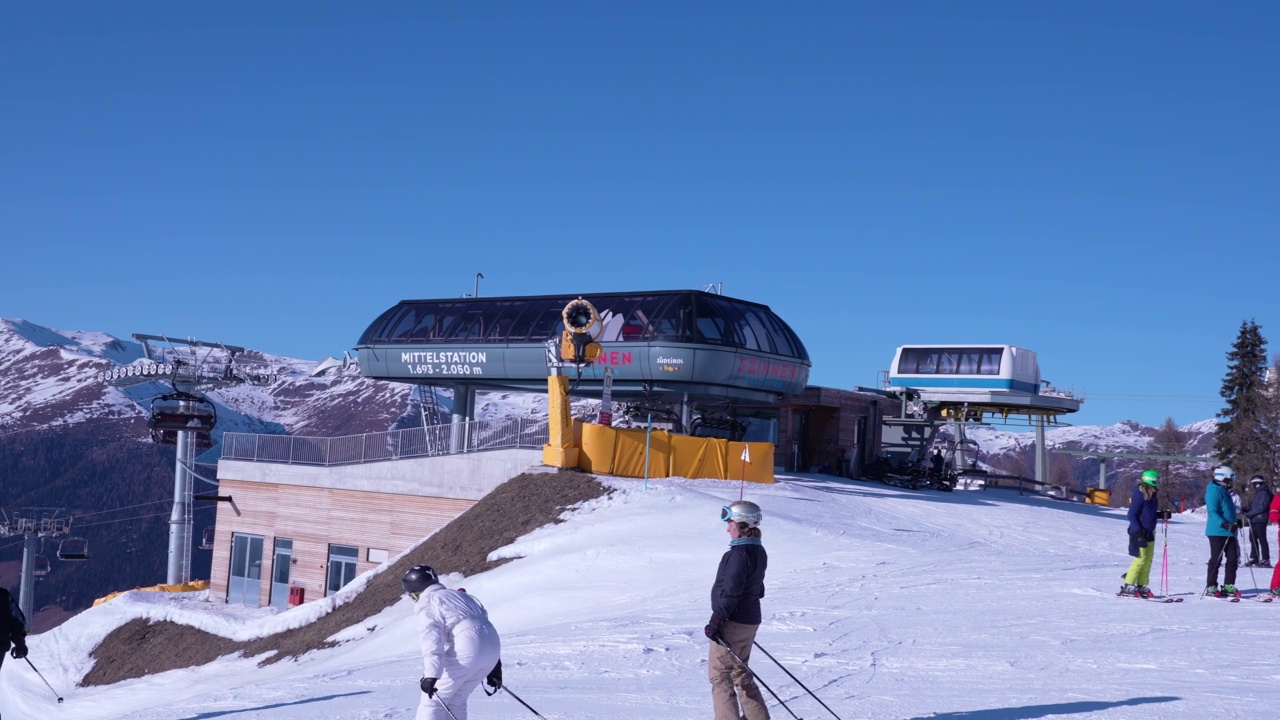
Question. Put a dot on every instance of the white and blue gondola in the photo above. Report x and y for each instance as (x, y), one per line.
(1004, 369)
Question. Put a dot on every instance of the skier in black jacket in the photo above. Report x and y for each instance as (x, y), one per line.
(735, 615)
(13, 627)
(1259, 505)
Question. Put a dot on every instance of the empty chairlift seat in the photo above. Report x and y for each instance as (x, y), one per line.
(179, 412)
(73, 548)
(40, 566)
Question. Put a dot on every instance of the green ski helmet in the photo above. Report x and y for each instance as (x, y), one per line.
(1151, 477)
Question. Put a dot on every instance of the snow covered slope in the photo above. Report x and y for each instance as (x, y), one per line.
(888, 603)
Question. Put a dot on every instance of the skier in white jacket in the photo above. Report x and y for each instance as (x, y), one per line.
(460, 647)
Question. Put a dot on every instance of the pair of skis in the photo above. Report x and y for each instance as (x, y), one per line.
(1153, 598)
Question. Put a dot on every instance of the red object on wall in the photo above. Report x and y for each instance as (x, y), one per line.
(296, 595)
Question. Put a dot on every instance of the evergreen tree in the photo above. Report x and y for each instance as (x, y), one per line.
(1245, 438)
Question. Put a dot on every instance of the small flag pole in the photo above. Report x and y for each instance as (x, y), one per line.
(648, 433)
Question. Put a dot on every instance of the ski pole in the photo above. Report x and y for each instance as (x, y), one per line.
(1164, 562)
(46, 682)
(446, 707)
(1255, 577)
(757, 677)
(517, 697)
(793, 677)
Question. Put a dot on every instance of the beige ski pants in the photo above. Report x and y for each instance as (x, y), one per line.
(731, 683)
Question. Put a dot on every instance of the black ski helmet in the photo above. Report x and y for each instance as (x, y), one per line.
(419, 578)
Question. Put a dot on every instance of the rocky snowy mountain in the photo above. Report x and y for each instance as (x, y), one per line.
(53, 378)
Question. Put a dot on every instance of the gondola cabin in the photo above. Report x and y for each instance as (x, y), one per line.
(73, 548)
(40, 566)
(1002, 369)
(179, 412)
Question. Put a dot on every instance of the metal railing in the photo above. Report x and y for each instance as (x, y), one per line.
(450, 439)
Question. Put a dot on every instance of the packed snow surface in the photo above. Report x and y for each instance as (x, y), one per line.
(887, 603)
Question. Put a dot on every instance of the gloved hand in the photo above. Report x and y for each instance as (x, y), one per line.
(494, 680)
(19, 650)
(1239, 525)
(428, 686)
(1149, 535)
(713, 628)
(1227, 526)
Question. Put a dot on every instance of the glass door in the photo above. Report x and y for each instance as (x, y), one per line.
(245, 583)
(280, 566)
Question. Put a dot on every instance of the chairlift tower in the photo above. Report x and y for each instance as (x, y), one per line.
(36, 524)
(191, 367)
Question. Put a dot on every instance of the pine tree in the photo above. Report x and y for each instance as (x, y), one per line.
(1245, 436)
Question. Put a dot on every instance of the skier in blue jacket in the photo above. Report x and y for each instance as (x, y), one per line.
(1142, 535)
(1221, 530)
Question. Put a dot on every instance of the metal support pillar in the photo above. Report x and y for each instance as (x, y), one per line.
(27, 583)
(1042, 452)
(463, 409)
(1102, 473)
(685, 420)
(179, 566)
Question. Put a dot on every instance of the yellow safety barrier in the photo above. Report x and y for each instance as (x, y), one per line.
(1097, 496)
(192, 586)
(623, 452)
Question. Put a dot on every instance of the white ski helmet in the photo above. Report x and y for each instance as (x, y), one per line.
(1224, 475)
(1257, 480)
(743, 511)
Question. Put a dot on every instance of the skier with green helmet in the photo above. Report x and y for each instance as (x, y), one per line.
(1143, 508)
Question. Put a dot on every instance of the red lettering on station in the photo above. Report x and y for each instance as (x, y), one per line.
(761, 368)
(614, 357)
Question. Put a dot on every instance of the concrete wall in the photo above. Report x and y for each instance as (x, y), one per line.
(470, 476)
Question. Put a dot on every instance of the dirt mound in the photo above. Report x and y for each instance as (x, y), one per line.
(522, 504)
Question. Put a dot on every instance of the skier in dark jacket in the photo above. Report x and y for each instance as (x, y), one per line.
(1220, 527)
(13, 627)
(1142, 535)
(735, 616)
(1259, 506)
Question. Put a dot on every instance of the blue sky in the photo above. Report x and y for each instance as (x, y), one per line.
(1094, 181)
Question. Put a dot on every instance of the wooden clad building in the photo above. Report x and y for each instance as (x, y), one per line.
(295, 533)
(830, 430)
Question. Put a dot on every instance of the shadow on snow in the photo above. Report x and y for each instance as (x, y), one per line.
(222, 713)
(1039, 711)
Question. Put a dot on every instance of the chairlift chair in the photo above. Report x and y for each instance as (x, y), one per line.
(180, 412)
(73, 548)
(40, 567)
(206, 542)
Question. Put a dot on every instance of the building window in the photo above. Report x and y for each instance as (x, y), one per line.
(342, 567)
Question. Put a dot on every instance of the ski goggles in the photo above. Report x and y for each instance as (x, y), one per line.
(725, 514)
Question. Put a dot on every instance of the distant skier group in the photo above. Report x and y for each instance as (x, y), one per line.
(1223, 526)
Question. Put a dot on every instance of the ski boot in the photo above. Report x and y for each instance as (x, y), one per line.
(1274, 592)
(1229, 591)
(1128, 591)
(1213, 591)
(1143, 591)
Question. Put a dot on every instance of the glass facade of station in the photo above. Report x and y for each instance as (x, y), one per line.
(686, 316)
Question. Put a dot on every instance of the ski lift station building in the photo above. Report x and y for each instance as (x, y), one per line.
(311, 513)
